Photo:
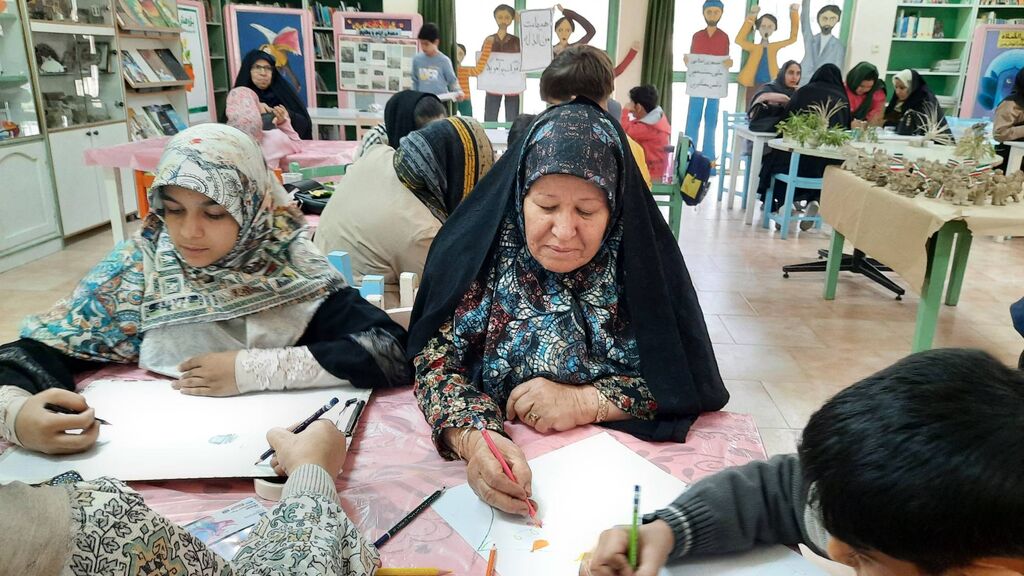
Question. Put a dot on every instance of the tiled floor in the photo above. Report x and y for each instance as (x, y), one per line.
(781, 348)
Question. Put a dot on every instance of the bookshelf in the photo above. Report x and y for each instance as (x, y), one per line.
(945, 38)
(149, 43)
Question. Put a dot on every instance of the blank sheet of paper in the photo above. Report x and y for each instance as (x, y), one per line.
(581, 490)
(158, 433)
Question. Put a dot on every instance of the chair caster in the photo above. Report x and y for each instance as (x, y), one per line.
(785, 274)
(899, 298)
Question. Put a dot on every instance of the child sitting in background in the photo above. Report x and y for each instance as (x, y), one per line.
(645, 121)
(432, 71)
(917, 470)
(464, 72)
(586, 71)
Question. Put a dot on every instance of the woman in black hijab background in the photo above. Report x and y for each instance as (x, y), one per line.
(827, 89)
(274, 91)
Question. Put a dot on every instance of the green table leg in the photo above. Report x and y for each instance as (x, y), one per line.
(931, 293)
(956, 275)
(835, 258)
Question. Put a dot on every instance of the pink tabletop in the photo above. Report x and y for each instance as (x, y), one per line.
(392, 466)
(145, 154)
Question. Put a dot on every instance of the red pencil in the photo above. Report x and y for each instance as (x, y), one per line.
(505, 467)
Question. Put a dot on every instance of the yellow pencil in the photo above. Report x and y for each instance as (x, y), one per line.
(491, 560)
(412, 572)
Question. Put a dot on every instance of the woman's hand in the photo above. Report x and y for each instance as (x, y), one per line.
(321, 444)
(280, 114)
(47, 432)
(487, 478)
(265, 109)
(549, 406)
(610, 556)
(208, 375)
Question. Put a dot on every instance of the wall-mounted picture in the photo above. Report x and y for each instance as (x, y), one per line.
(284, 33)
(195, 55)
(381, 66)
(997, 55)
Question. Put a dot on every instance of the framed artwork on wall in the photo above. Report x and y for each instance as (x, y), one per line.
(195, 57)
(284, 33)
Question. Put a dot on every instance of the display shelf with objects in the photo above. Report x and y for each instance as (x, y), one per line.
(934, 39)
(155, 77)
(29, 223)
(79, 78)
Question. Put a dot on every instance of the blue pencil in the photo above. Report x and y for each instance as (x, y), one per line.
(305, 424)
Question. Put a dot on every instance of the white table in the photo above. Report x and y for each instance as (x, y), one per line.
(342, 117)
(1016, 156)
(498, 138)
(758, 139)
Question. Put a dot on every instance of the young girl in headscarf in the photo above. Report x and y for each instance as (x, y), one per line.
(220, 289)
(259, 73)
(911, 104)
(244, 113)
(866, 92)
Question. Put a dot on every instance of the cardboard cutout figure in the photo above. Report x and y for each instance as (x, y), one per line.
(502, 42)
(824, 47)
(566, 25)
(711, 41)
(762, 61)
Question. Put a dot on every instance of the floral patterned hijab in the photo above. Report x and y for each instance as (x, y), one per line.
(243, 111)
(145, 283)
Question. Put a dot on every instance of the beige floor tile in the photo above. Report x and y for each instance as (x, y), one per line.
(779, 440)
(846, 333)
(725, 304)
(741, 362)
(717, 331)
(798, 400)
(779, 331)
(750, 397)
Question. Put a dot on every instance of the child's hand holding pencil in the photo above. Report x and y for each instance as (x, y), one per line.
(611, 555)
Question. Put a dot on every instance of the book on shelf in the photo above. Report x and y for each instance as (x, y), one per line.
(157, 64)
(146, 14)
(323, 45)
(164, 116)
(925, 27)
(172, 64)
(141, 126)
(131, 70)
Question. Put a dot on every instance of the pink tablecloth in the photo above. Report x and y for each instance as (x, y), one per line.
(145, 154)
(392, 466)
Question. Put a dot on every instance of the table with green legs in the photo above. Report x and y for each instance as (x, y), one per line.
(925, 241)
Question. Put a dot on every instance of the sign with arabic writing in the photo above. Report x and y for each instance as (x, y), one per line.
(535, 33)
(503, 75)
(376, 25)
(707, 76)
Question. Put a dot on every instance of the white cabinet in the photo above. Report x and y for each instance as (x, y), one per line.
(29, 215)
(80, 188)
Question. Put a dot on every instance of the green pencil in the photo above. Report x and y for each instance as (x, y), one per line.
(633, 532)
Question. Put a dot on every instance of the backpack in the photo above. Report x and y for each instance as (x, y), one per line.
(311, 195)
(695, 178)
(764, 116)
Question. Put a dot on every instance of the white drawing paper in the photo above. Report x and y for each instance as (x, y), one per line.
(503, 74)
(158, 433)
(535, 38)
(706, 76)
(764, 561)
(581, 490)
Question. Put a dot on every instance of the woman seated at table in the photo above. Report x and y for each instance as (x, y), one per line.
(825, 89)
(912, 105)
(768, 106)
(259, 73)
(405, 111)
(102, 526)
(220, 289)
(278, 141)
(557, 296)
(1008, 120)
(866, 92)
(388, 208)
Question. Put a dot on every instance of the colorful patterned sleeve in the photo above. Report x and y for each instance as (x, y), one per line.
(629, 394)
(446, 396)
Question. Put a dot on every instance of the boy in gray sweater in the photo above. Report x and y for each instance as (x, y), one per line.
(917, 470)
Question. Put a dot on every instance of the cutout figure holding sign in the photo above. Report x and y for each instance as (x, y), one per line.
(566, 25)
(823, 48)
(711, 41)
(502, 43)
